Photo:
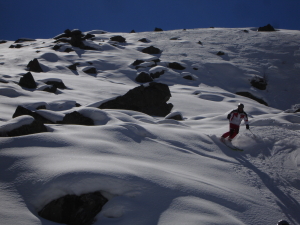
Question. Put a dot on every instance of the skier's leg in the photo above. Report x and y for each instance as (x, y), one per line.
(234, 130)
(225, 135)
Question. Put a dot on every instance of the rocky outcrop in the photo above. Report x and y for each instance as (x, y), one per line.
(259, 83)
(73, 209)
(57, 84)
(158, 29)
(33, 128)
(34, 66)
(20, 111)
(27, 81)
(176, 66)
(151, 99)
(77, 118)
(151, 50)
(220, 53)
(143, 77)
(266, 28)
(118, 39)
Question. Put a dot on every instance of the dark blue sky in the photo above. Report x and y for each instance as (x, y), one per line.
(47, 18)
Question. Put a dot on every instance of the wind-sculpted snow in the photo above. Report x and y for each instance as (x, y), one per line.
(155, 170)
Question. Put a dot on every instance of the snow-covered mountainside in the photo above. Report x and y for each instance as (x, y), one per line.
(153, 169)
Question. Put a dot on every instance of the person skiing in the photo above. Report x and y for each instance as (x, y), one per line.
(235, 118)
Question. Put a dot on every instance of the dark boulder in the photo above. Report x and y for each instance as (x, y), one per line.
(259, 83)
(57, 84)
(176, 66)
(188, 77)
(41, 107)
(151, 50)
(143, 77)
(56, 47)
(158, 29)
(266, 28)
(20, 111)
(89, 36)
(151, 100)
(34, 66)
(91, 70)
(132, 32)
(157, 74)
(118, 39)
(27, 81)
(249, 95)
(69, 50)
(66, 34)
(33, 128)
(220, 53)
(74, 66)
(76, 38)
(200, 43)
(176, 117)
(2, 41)
(50, 89)
(144, 40)
(137, 62)
(73, 209)
(77, 118)
(20, 40)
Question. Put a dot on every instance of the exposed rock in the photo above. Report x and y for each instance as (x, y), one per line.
(266, 28)
(75, 210)
(27, 81)
(20, 40)
(16, 46)
(246, 31)
(144, 40)
(158, 29)
(2, 41)
(249, 95)
(77, 118)
(259, 83)
(76, 38)
(41, 107)
(57, 84)
(91, 70)
(74, 66)
(34, 66)
(3, 81)
(176, 66)
(77, 104)
(174, 38)
(50, 88)
(89, 36)
(20, 111)
(56, 47)
(66, 34)
(118, 39)
(69, 50)
(151, 50)
(151, 99)
(220, 53)
(188, 77)
(200, 43)
(175, 116)
(132, 32)
(137, 62)
(33, 128)
(143, 77)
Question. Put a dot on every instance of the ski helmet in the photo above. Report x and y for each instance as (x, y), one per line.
(240, 105)
(282, 222)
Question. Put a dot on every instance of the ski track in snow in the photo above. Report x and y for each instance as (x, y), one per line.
(156, 170)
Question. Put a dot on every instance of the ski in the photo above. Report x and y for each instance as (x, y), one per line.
(231, 146)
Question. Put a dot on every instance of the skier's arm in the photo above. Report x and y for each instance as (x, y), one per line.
(246, 121)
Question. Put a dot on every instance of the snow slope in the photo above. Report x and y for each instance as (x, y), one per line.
(156, 170)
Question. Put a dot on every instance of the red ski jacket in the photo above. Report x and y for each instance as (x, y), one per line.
(236, 117)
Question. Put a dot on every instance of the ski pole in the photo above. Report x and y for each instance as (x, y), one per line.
(252, 133)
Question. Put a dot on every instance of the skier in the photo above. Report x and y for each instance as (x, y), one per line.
(235, 118)
(282, 222)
